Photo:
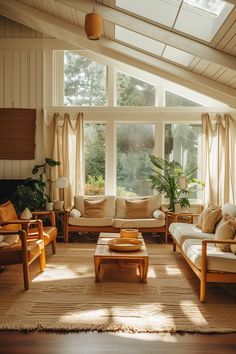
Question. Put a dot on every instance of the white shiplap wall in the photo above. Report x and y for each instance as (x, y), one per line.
(21, 84)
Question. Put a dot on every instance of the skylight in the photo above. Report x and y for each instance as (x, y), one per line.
(198, 18)
(138, 40)
(212, 6)
(151, 46)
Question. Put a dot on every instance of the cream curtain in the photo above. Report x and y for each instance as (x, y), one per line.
(64, 142)
(219, 134)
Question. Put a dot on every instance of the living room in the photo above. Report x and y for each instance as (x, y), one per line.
(102, 108)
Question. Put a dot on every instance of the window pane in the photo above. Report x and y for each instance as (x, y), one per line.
(134, 144)
(84, 80)
(134, 92)
(175, 100)
(94, 148)
(183, 144)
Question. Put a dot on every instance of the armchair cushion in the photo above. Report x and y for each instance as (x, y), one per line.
(8, 212)
(49, 234)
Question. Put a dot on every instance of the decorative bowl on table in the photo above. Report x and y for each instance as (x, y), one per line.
(125, 244)
(129, 233)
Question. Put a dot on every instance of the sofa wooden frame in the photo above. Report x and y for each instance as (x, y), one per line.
(203, 274)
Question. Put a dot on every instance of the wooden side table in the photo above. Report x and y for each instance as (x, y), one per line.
(181, 216)
(62, 223)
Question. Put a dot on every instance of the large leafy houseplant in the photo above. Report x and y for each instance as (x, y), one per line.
(165, 179)
(32, 194)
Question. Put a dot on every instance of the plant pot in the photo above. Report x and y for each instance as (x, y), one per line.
(49, 206)
(58, 204)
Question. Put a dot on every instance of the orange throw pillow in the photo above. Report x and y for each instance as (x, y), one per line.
(7, 213)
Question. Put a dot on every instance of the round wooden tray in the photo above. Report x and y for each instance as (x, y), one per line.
(125, 244)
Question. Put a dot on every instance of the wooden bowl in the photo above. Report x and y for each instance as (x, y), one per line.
(125, 244)
(129, 233)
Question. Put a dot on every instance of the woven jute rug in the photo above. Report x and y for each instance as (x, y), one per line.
(65, 297)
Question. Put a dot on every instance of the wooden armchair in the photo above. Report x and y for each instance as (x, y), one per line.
(9, 220)
(23, 251)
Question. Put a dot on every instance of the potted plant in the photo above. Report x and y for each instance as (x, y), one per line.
(166, 180)
(32, 194)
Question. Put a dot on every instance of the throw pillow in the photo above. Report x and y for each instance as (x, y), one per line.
(225, 231)
(203, 213)
(158, 214)
(211, 217)
(75, 213)
(8, 213)
(94, 208)
(137, 209)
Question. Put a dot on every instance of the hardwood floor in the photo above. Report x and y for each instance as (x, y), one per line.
(117, 343)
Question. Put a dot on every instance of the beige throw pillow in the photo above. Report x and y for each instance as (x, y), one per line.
(211, 217)
(94, 208)
(137, 209)
(225, 231)
(203, 214)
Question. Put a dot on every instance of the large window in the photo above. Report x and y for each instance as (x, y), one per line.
(135, 142)
(84, 81)
(172, 99)
(183, 144)
(94, 147)
(134, 92)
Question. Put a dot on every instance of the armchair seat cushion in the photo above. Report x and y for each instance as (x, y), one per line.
(49, 233)
(182, 232)
(217, 260)
(13, 254)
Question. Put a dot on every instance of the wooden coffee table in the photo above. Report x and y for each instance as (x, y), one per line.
(103, 253)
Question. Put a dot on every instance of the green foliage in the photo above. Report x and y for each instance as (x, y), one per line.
(85, 81)
(134, 92)
(165, 180)
(32, 194)
(95, 185)
(94, 150)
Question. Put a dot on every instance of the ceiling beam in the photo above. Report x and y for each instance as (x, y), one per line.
(70, 33)
(157, 33)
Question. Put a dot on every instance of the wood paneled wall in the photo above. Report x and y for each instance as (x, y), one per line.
(21, 86)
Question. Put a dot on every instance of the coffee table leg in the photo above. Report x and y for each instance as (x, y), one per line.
(97, 267)
(145, 270)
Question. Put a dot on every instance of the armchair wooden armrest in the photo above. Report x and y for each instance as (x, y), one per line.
(50, 213)
(27, 224)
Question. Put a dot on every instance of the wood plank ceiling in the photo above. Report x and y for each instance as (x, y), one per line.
(212, 66)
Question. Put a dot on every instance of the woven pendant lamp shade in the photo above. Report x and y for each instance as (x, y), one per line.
(93, 26)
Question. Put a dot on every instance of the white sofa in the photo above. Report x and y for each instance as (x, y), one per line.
(115, 216)
(208, 262)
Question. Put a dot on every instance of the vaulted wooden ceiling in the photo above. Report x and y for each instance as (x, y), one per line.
(207, 66)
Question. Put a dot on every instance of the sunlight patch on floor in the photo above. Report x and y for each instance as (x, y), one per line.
(186, 307)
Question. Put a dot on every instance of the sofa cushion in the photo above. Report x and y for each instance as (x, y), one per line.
(183, 231)
(211, 216)
(137, 209)
(82, 221)
(110, 205)
(158, 214)
(139, 223)
(154, 202)
(94, 208)
(233, 247)
(229, 209)
(225, 231)
(75, 213)
(217, 260)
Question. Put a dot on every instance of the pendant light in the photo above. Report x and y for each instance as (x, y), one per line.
(93, 24)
